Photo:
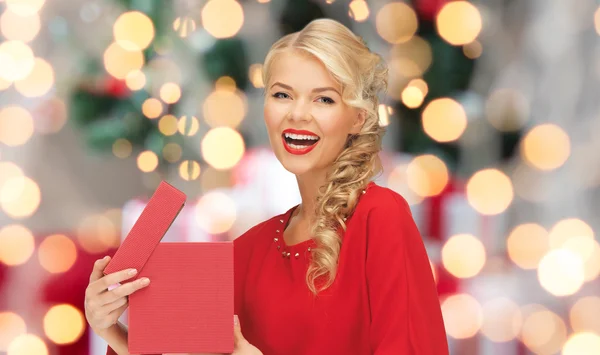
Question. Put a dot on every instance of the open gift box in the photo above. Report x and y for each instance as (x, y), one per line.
(188, 306)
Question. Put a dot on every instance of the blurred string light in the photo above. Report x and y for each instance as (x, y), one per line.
(543, 332)
(444, 120)
(222, 18)
(135, 80)
(172, 152)
(397, 180)
(568, 228)
(39, 81)
(184, 25)
(507, 109)
(167, 125)
(189, 170)
(408, 60)
(359, 10)
(561, 272)
(413, 95)
(489, 191)
(225, 107)
(122, 148)
(50, 115)
(119, 62)
(20, 197)
(463, 255)
(16, 60)
(64, 324)
(473, 50)
(527, 244)
(588, 250)
(427, 175)
(212, 179)
(215, 212)
(586, 343)
(170, 93)
(25, 7)
(98, 233)
(459, 22)
(396, 22)
(27, 344)
(16, 244)
(188, 125)
(583, 315)
(147, 161)
(11, 326)
(16, 125)
(463, 316)
(255, 74)
(133, 31)
(502, 319)
(222, 148)
(384, 116)
(57, 253)
(546, 147)
(152, 108)
(19, 28)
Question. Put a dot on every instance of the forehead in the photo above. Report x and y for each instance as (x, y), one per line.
(301, 71)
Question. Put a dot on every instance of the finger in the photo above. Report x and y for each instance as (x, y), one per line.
(99, 266)
(237, 331)
(102, 284)
(121, 303)
(124, 290)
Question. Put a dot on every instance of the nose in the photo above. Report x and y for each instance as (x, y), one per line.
(300, 111)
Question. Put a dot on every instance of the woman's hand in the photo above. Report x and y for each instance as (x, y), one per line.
(242, 346)
(103, 307)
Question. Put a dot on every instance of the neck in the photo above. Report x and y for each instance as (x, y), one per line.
(309, 185)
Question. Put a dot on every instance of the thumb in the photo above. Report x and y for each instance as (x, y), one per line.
(237, 331)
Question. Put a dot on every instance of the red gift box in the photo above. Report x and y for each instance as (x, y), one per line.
(188, 306)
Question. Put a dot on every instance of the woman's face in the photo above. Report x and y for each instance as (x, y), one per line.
(307, 122)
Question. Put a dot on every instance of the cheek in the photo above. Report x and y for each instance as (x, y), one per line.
(271, 116)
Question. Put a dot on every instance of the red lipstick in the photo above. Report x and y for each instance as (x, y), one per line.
(299, 149)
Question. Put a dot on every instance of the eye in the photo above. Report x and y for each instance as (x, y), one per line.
(327, 100)
(280, 95)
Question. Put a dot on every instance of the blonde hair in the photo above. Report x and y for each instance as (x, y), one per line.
(362, 75)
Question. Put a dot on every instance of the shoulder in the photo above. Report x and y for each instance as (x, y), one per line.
(257, 233)
(382, 202)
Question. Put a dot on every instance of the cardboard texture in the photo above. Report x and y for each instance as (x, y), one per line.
(188, 306)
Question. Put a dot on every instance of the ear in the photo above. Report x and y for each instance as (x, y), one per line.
(359, 121)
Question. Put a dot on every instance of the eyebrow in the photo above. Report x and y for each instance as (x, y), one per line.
(314, 90)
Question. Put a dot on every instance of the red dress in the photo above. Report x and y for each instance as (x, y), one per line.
(383, 301)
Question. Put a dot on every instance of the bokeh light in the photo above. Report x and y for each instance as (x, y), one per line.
(188, 125)
(546, 147)
(97, 233)
(16, 126)
(184, 25)
(119, 62)
(582, 344)
(255, 74)
(527, 244)
(57, 253)
(39, 81)
(64, 324)
(167, 125)
(20, 197)
(133, 30)
(147, 161)
(27, 344)
(225, 108)
(152, 108)
(588, 251)
(11, 326)
(19, 28)
(489, 191)
(507, 110)
(8, 170)
(384, 117)
(359, 10)
(412, 96)
(583, 315)
(396, 22)
(16, 60)
(25, 7)
(170, 93)
(463, 255)
(189, 170)
(135, 80)
(122, 148)
(459, 22)
(502, 319)
(427, 175)
(215, 212)
(473, 50)
(568, 228)
(543, 332)
(50, 116)
(222, 148)
(172, 152)
(561, 272)
(398, 182)
(462, 315)
(222, 18)
(444, 120)
(16, 244)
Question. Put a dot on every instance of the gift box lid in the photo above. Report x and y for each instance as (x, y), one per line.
(156, 218)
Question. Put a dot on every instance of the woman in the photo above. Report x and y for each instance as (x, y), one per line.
(344, 272)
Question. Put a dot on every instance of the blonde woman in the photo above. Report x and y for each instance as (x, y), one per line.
(345, 271)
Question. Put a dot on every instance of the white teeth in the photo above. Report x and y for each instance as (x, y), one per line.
(300, 136)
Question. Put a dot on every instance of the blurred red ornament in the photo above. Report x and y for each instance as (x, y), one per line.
(428, 9)
(115, 87)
